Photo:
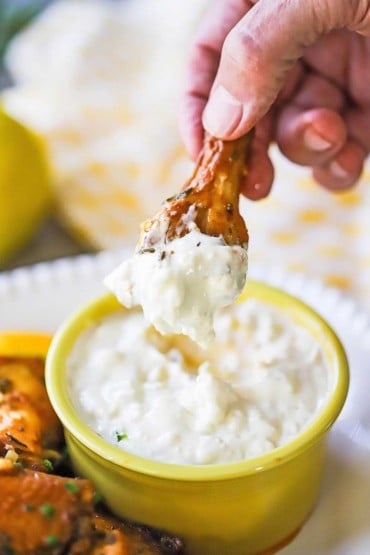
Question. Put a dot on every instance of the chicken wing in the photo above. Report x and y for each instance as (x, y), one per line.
(29, 428)
(211, 195)
(137, 539)
(42, 513)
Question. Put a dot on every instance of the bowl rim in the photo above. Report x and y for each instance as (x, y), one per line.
(57, 388)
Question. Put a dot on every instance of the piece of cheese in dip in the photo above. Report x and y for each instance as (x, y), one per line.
(259, 385)
(182, 283)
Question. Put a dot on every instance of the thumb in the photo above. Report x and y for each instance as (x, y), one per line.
(260, 50)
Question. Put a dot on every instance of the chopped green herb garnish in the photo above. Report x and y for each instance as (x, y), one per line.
(97, 498)
(72, 487)
(52, 540)
(48, 465)
(120, 436)
(47, 510)
(28, 507)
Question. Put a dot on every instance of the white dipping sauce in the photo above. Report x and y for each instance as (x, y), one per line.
(260, 384)
(181, 284)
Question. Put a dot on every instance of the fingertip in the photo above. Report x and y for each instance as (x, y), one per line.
(223, 114)
(344, 170)
(257, 185)
(328, 125)
(257, 190)
(228, 118)
(326, 178)
(310, 137)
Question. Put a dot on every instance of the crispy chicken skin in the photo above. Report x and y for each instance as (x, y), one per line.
(46, 514)
(43, 513)
(138, 539)
(28, 424)
(212, 193)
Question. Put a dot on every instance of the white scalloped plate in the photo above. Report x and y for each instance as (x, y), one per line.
(40, 297)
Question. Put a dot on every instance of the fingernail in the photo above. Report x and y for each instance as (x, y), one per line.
(314, 141)
(338, 171)
(223, 113)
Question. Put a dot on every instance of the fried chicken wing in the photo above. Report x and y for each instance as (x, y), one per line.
(43, 513)
(28, 424)
(46, 514)
(211, 195)
(137, 539)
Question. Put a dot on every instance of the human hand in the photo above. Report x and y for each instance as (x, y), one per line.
(298, 71)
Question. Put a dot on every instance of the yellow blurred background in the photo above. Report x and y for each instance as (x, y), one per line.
(98, 83)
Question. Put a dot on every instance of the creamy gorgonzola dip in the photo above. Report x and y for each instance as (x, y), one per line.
(163, 397)
(181, 284)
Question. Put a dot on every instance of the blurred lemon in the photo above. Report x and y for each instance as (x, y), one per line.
(24, 185)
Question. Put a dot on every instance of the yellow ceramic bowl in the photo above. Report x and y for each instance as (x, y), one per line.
(240, 508)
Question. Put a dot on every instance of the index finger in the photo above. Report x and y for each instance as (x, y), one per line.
(202, 67)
